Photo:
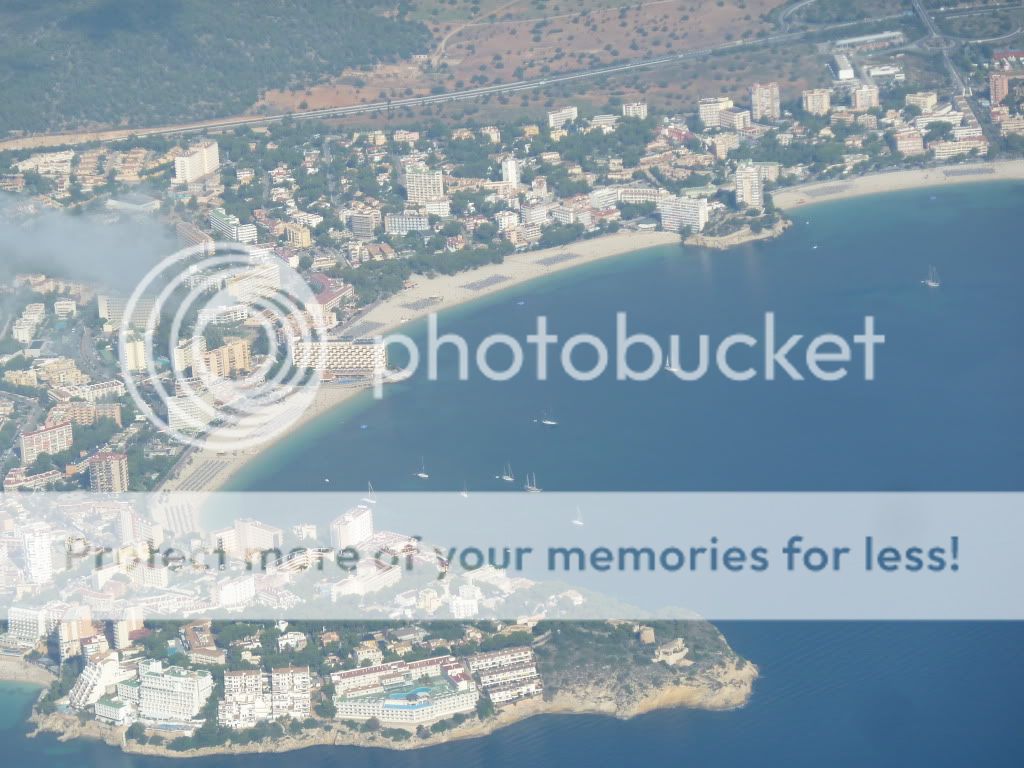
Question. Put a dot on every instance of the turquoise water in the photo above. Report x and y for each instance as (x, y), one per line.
(944, 414)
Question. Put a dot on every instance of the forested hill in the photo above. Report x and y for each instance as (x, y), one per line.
(70, 63)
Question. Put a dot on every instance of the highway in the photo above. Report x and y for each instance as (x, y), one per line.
(498, 88)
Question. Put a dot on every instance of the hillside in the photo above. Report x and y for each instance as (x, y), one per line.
(71, 63)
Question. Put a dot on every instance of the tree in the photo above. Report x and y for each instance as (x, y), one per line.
(940, 130)
(484, 708)
(326, 709)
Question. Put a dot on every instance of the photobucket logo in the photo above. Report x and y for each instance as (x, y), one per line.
(736, 357)
(201, 350)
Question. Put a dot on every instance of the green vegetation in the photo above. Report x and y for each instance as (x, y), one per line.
(73, 62)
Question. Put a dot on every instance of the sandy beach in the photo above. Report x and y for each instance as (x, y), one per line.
(424, 295)
(207, 471)
(892, 181)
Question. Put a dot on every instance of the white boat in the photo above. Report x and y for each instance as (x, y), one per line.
(578, 520)
(671, 367)
(547, 421)
(506, 474)
(422, 474)
(531, 484)
(932, 281)
(464, 493)
(371, 497)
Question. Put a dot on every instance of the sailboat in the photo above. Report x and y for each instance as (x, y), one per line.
(671, 367)
(422, 474)
(531, 484)
(464, 493)
(548, 421)
(371, 497)
(578, 520)
(932, 281)
(506, 474)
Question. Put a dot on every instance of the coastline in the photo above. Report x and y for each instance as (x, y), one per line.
(209, 471)
(14, 669)
(422, 295)
(728, 686)
(788, 198)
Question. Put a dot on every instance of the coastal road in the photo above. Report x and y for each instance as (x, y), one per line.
(446, 97)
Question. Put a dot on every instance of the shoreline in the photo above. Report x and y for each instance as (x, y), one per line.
(209, 471)
(729, 686)
(14, 669)
(789, 198)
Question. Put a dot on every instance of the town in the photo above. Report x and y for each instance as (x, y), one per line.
(190, 684)
(356, 214)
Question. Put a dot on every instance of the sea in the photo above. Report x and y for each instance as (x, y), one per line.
(944, 413)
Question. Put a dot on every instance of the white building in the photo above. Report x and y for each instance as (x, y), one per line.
(352, 528)
(290, 692)
(423, 185)
(679, 212)
(172, 694)
(709, 110)
(102, 672)
(231, 228)
(844, 69)
(749, 187)
(510, 170)
(414, 709)
(37, 544)
(353, 356)
(403, 223)
(200, 160)
(26, 625)
(559, 117)
(636, 109)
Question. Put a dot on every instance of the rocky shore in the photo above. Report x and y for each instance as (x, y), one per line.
(739, 237)
(727, 685)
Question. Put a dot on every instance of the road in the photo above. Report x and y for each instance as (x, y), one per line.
(939, 39)
(463, 95)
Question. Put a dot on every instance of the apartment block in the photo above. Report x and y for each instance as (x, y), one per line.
(231, 228)
(817, 101)
(709, 110)
(559, 117)
(172, 694)
(200, 160)
(679, 212)
(352, 528)
(108, 472)
(637, 109)
(864, 98)
(765, 101)
(749, 187)
(423, 184)
(50, 440)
